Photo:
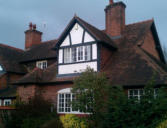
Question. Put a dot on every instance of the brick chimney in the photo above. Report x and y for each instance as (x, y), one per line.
(32, 36)
(115, 18)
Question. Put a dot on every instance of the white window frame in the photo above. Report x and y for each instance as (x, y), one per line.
(0, 102)
(7, 101)
(40, 64)
(138, 95)
(70, 55)
(66, 91)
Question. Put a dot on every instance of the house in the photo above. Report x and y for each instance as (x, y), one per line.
(129, 54)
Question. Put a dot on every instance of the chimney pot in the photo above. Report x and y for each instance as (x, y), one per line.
(30, 25)
(34, 26)
(32, 36)
(111, 1)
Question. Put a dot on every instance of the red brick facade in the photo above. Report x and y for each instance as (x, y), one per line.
(115, 18)
(32, 37)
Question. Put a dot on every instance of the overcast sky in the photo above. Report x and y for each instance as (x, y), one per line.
(15, 16)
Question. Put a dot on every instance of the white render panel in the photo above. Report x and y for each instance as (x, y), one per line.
(76, 34)
(88, 37)
(94, 51)
(60, 56)
(76, 68)
(66, 42)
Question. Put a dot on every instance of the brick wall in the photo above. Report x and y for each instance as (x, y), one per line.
(26, 92)
(49, 92)
(105, 56)
(115, 18)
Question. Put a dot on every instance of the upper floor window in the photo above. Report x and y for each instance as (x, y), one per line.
(41, 64)
(77, 54)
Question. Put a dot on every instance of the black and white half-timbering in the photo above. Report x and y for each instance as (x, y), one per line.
(77, 51)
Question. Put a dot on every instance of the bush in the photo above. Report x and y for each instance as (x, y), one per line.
(54, 123)
(31, 114)
(162, 125)
(72, 121)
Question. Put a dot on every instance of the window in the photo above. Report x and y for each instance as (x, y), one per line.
(138, 93)
(87, 52)
(7, 102)
(67, 57)
(41, 64)
(77, 54)
(80, 53)
(74, 54)
(135, 93)
(65, 97)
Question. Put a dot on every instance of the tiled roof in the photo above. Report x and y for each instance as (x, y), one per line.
(9, 59)
(98, 34)
(129, 66)
(40, 52)
(39, 76)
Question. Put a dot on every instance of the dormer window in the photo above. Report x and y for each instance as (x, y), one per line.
(41, 64)
(77, 54)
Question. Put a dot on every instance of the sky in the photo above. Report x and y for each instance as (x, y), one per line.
(52, 16)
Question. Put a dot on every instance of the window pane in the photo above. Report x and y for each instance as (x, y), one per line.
(61, 103)
(74, 54)
(80, 53)
(135, 92)
(87, 52)
(67, 55)
(67, 102)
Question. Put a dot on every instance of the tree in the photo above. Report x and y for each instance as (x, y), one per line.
(91, 90)
(110, 107)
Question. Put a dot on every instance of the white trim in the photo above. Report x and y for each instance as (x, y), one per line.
(0, 102)
(64, 92)
(7, 100)
(40, 64)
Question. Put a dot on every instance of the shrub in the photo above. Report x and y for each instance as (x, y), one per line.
(54, 123)
(162, 124)
(32, 114)
(72, 121)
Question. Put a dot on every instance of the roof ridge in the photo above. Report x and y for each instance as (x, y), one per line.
(49, 41)
(11, 47)
(140, 22)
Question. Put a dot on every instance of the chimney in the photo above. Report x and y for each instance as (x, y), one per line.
(115, 18)
(32, 36)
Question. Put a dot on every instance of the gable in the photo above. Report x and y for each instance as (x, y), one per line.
(77, 35)
(149, 45)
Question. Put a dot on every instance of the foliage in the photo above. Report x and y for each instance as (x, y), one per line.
(110, 107)
(91, 91)
(72, 121)
(54, 123)
(162, 124)
(32, 114)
